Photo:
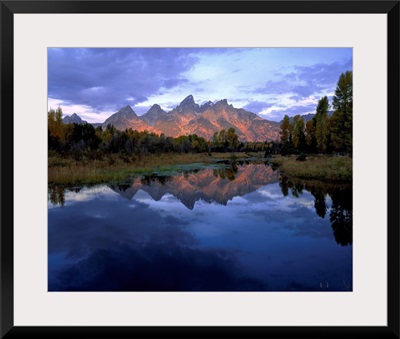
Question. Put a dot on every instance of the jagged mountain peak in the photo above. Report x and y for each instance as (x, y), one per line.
(125, 118)
(155, 107)
(153, 114)
(73, 119)
(188, 100)
(223, 102)
(188, 105)
(190, 118)
(126, 110)
(206, 105)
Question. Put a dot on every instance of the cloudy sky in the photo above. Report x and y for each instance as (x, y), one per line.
(271, 82)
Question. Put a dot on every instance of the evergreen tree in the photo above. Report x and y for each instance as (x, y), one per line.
(297, 131)
(342, 118)
(285, 129)
(321, 124)
(310, 136)
(232, 139)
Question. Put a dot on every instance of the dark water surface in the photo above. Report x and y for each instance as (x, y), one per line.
(240, 228)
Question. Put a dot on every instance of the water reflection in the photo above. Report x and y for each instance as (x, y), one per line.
(204, 230)
(216, 185)
(341, 212)
(210, 184)
(56, 194)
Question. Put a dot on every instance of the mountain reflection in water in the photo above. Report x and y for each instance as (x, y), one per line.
(210, 184)
(235, 228)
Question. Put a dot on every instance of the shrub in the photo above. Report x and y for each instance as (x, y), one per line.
(301, 157)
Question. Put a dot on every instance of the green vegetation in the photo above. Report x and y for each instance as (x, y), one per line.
(322, 134)
(321, 167)
(115, 167)
(321, 148)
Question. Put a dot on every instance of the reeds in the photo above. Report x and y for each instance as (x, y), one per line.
(116, 167)
(316, 167)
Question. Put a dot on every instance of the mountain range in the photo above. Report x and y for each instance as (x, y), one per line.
(191, 118)
(73, 119)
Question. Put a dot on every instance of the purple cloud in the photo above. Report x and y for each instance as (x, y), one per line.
(305, 81)
(104, 78)
(257, 106)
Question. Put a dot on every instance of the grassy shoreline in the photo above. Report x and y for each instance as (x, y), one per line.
(69, 171)
(113, 168)
(320, 167)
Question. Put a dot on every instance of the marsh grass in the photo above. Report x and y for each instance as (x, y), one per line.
(114, 167)
(315, 167)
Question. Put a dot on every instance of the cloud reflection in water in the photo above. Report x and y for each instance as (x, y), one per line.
(104, 240)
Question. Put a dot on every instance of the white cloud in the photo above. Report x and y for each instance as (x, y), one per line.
(88, 194)
(85, 112)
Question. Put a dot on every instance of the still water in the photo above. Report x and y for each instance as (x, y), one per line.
(236, 228)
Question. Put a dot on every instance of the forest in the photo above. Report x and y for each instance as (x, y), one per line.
(323, 134)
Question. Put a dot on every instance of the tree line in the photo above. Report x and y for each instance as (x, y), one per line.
(323, 133)
(79, 140)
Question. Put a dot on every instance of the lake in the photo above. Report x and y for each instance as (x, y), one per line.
(234, 227)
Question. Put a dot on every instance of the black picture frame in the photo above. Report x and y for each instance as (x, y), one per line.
(7, 11)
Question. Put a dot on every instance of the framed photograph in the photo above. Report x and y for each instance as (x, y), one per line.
(203, 169)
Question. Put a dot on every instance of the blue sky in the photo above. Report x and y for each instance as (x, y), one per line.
(271, 82)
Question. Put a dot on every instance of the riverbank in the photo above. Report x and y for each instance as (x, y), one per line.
(114, 167)
(320, 167)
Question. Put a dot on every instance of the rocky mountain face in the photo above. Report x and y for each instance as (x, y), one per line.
(125, 118)
(190, 118)
(73, 119)
(248, 126)
(203, 120)
(153, 115)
